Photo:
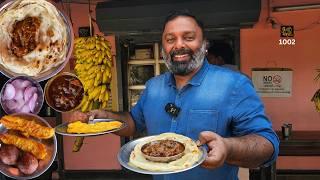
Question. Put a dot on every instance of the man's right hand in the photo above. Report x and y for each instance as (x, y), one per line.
(84, 117)
(103, 114)
(100, 114)
(77, 116)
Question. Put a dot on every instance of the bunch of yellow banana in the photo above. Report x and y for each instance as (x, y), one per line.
(93, 67)
(316, 100)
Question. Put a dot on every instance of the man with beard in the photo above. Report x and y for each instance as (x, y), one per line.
(215, 105)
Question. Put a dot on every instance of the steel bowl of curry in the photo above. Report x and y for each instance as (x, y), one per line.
(163, 150)
(64, 92)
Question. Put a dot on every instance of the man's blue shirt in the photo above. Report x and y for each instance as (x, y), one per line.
(215, 99)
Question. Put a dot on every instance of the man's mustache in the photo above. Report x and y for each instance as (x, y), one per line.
(181, 52)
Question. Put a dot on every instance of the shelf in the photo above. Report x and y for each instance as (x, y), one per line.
(139, 70)
(142, 61)
(137, 87)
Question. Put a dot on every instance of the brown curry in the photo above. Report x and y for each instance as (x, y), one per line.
(24, 38)
(66, 92)
(163, 148)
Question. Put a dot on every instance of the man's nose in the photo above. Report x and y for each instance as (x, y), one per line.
(179, 44)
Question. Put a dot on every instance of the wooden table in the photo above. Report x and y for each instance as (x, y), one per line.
(299, 143)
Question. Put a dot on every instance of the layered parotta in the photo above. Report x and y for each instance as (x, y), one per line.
(33, 37)
(192, 154)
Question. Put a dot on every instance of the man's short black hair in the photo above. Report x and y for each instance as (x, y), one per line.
(182, 12)
(223, 50)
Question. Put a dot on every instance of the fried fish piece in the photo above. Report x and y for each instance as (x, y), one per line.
(80, 127)
(37, 149)
(27, 127)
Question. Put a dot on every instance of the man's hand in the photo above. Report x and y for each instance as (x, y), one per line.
(84, 117)
(77, 116)
(217, 152)
(100, 114)
(103, 114)
(248, 151)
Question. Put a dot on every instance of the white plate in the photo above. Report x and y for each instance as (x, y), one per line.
(125, 151)
(62, 128)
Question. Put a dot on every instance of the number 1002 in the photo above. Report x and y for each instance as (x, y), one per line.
(287, 41)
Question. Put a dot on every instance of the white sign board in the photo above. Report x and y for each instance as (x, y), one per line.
(273, 82)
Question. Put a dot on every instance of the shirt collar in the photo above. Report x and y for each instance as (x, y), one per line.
(196, 79)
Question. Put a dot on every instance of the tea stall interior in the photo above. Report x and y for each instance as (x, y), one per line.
(132, 69)
(137, 28)
(135, 32)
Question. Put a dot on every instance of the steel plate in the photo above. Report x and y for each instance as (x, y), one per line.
(125, 151)
(51, 146)
(62, 129)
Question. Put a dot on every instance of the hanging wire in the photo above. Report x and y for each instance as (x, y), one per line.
(69, 12)
(67, 9)
(276, 21)
(90, 19)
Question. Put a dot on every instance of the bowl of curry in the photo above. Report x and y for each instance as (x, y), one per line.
(163, 150)
(64, 92)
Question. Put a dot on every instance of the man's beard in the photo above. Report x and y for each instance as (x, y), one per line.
(183, 68)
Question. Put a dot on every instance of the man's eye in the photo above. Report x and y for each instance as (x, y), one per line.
(171, 40)
(189, 38)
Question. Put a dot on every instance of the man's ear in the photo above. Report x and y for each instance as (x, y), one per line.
(207, 44)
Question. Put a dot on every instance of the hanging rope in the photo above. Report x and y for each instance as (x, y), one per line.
(90, 18)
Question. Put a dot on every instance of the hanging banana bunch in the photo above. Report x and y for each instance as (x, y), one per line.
(93, 67)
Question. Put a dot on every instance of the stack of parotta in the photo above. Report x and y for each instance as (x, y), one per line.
(51, 37)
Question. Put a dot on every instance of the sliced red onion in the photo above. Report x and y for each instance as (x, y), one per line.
(25, 84)
(20, 104)
(11, 104)
(19, 94)
(25, 109)
(32, 102)
(28, 93)
(9, 92)
(17, 83)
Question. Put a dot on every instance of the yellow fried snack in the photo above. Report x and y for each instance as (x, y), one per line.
(27, 127)
(37, 149)
(83, 128)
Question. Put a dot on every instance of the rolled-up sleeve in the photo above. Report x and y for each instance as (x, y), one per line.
(248, 116)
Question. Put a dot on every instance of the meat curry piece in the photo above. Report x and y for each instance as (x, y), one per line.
(24, 38)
